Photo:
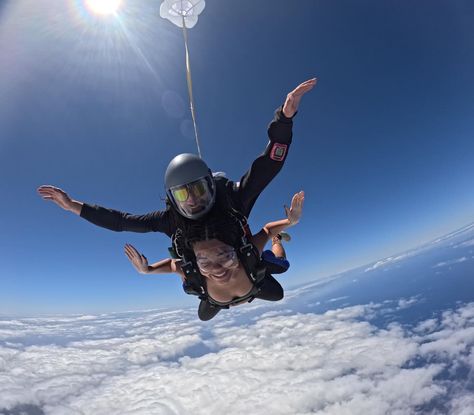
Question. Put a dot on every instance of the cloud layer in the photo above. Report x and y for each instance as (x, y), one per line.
(257, 359)
(281, 363)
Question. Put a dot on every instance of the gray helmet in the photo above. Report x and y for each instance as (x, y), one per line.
(190, 186)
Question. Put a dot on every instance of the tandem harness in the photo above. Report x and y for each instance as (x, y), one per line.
(249, 258)
(248, 255)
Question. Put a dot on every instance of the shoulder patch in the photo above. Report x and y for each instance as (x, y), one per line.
(278, 151)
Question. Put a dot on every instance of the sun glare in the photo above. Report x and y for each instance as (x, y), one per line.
(103, 6)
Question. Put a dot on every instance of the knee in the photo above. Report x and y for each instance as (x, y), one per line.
(279, 294)
(271, 292)
(205, 317)
(207, 311)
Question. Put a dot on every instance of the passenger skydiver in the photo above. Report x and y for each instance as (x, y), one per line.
(223, 278)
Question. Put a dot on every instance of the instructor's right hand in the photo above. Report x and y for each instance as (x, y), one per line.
(60, 197)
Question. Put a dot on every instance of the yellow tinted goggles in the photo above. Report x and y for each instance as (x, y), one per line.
(181, 194)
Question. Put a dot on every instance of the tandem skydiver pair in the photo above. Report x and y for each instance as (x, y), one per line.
(202, 208)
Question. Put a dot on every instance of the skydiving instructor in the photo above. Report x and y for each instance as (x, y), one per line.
(193, 192)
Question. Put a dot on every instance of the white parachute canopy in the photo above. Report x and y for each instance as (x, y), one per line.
(182, 12)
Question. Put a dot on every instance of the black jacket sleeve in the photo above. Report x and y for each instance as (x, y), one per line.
(158, 221)
(267, 165)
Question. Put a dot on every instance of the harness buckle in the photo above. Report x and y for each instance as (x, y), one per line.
(247, 249)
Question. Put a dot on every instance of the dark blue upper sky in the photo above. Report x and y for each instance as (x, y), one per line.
(97, 105)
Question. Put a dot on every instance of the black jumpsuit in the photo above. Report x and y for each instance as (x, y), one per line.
(243, 196)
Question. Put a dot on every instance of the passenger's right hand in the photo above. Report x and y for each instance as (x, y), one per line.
(58, 196)
(139, 261)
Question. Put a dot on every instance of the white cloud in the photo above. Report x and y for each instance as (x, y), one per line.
(333, 300)
(469, 242)
(426, 326)
(454, 338)
(406, 302)
(450, 262)
(390, 260)
(463, 232)
(281, 363)
(462, 405)
(460, 232)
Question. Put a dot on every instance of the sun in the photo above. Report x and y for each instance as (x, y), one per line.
(103, 6)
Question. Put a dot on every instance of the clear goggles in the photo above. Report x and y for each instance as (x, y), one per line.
(226, 259)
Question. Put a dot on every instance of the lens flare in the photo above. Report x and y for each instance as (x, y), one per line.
(103, 6)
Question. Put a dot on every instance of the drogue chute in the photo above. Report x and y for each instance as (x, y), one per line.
(182, 13)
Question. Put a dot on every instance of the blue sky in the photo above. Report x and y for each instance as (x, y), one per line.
(98, 106)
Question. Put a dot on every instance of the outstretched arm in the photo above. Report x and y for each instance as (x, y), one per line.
(268, 165)
(271, 229)
(140, 263)
(61, 198)
(158, 221)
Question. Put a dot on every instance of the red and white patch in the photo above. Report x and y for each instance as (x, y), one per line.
(278, 152)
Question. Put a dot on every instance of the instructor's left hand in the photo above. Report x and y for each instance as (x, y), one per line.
(294, 97)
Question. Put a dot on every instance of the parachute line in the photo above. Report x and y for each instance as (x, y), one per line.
(190, 86)
(184, 14)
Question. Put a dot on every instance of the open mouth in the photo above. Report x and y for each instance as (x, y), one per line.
(222, 275)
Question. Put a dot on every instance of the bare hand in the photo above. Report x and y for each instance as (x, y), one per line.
(139, 261)
(56, 195)
(294, 97)
(296, 209)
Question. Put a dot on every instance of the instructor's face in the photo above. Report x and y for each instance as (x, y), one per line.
(194, 204)
(192, 198)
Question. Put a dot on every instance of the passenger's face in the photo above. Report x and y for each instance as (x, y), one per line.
(216, 260)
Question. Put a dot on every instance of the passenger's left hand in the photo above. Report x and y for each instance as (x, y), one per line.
(294, 212)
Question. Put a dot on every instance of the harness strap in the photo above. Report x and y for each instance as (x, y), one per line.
(251, 261)
(246, 252)
(192, 285)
